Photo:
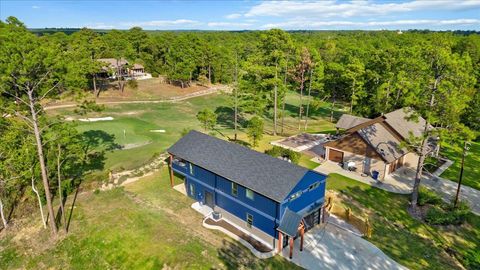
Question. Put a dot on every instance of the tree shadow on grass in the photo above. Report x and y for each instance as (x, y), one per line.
(226, 117)
(235, 256)
(238, 141)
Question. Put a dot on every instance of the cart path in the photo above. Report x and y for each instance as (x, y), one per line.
(208, 91)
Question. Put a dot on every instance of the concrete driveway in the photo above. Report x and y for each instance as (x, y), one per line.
(444, 187)
(399, 185)
(329, 247)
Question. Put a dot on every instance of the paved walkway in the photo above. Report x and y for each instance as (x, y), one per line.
(329, 247)
(395, 185)
(444, 187)
(443, 168)
(401, 181)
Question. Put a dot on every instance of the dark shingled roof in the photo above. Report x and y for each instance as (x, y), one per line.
(266, 175)
(289, 222)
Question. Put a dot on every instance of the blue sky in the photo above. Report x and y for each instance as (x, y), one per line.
(239, 15)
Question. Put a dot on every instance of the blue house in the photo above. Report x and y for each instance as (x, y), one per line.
(270, 198)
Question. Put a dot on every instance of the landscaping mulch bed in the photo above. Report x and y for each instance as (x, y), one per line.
(256, 244)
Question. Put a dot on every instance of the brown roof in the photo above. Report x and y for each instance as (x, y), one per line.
(383, 141)
(384, 134)
(348, 121)
(137, 66)
(400, 120)
(354, 143)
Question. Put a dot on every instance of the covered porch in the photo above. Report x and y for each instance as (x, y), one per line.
(293, 227)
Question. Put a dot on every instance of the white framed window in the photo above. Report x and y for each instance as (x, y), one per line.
(249, 194)
(295, 195)
(249, 220)
(314, 186)
(234, 189)
(192, 189)
(191, 168)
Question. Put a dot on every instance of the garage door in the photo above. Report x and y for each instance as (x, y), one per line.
(335, 155)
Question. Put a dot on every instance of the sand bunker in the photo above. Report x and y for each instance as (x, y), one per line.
(108, 118)
(157, 130)
(134, 145)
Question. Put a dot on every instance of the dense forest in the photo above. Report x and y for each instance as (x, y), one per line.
(436, 73)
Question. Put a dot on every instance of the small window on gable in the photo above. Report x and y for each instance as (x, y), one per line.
(249, 193)
(234, 189)
(180, 162)
(249, 220)
(191, 168)
(314, 186)
(295, 195)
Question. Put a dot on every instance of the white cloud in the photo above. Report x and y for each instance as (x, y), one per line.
(228, 24)
(163, 23)
(35, 7)
(313, 24)
(233, 16)
(334, 8)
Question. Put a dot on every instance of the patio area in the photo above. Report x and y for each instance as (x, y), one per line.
(303, 142)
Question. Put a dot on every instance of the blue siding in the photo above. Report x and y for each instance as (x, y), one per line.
(266, 212)
(259, 201)
(261, 220)
(310, 199)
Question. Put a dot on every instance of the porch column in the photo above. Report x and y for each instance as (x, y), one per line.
(280, 241)
(291, 247)
(302, 232)
(324, 212)
(171, 171)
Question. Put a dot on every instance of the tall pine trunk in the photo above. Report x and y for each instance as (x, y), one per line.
(353, 96)
(95, 90)
(236, 96)
(2, 214)
(209, 74)
(39, 203)
(301, 100)
(423, 151)
(275, 104)
(308, 100)
(41, 158)
(332, 109)
(60, 191)
(285, 95)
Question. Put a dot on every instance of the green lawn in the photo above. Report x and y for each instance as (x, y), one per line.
(138, 119)
(146, 226)
(410, 242)
(307, 163)
(471, 173)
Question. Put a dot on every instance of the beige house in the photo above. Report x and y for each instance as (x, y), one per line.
(115, 66)
(376, 144)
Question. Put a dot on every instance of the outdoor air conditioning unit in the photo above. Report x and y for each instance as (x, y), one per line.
(216, 215)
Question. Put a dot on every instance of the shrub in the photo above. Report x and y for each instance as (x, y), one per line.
(97, 191)
(132, 83)
(447, 214)
(278, 151)
(471, 259)
(426, 196)
(437, 216)
(185, 131)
